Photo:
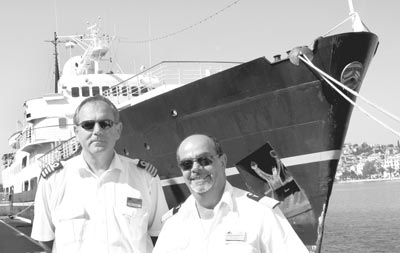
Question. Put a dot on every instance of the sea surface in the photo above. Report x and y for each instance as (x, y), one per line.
(363, 217)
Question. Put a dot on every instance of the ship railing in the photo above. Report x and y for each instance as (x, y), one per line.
(62, 152)
(164, 74)
(33, 135)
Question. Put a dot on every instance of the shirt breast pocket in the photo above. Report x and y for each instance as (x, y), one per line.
(131, 213)
(71, 226)
(133, 219)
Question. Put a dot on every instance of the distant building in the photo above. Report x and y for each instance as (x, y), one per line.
(358, 169)
(392, 161)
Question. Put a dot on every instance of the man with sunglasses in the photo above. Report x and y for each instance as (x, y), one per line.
(98, 201)
(218, 217)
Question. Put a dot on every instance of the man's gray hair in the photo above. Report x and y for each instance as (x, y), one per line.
(96, 98)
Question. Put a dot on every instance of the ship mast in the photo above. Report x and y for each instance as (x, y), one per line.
(56, 67)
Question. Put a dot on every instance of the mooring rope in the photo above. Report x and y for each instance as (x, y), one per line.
(328, 80)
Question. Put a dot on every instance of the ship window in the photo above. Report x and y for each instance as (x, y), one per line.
(33, 183)
(26, 185)
(75, 92)
(62, 122)
(23, 164)
(124, 90)
(95, 90)
(143, 90)
(114, 91)
(134, 90)
(85, 91)
(104, 88)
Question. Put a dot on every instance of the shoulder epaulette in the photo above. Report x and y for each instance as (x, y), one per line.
(266, 201)
(170, 213)
(253, 196)
(147, 167)
(49, 169)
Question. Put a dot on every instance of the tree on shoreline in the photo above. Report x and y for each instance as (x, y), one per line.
(391, 170)
(369, 169)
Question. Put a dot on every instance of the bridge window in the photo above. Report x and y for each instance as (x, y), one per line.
(23, 163)
(95, 90)
(134, 91)
(114, 91)
(85, 91)
(124, 90)
(104, 88)
(33, 183)
(26, 186)
(75, 92)
(143, 90)
(62, 122)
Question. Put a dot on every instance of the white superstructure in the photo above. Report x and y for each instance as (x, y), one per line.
(47, 133)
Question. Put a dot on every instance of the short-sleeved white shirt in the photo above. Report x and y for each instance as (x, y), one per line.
(239, 224)
(116, 212)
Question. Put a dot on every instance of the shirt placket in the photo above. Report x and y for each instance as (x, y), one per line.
(102, 213)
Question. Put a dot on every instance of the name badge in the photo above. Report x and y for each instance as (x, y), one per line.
(133, 202)
(238, 236)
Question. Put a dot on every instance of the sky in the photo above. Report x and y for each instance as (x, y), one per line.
(247, 30)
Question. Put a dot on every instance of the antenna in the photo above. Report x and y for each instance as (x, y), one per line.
(149, 29)
(56, 67)
(351, 7)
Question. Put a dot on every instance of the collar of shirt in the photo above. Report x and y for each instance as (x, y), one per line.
(226, 202)
(115, 165)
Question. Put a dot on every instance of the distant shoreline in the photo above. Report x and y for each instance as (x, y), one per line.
(367, 180)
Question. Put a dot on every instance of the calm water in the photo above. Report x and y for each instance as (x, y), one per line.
(363, 217)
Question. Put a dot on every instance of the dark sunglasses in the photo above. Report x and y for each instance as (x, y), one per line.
(203, 160)
(89, 124)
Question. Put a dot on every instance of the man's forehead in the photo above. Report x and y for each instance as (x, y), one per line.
(196, 146)
(99, 107)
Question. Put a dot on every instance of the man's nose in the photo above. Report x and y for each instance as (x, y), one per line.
(97, 129)
(196, 166)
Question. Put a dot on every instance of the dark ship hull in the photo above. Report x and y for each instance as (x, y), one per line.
(289, 108)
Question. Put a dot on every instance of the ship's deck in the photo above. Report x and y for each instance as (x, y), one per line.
(15, 238)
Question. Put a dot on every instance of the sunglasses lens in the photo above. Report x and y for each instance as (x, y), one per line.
(106, 124)
(88, 125)
(186, 165)
(204, 161)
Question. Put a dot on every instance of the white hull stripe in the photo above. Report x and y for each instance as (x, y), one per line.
(312, 158)
(22, 203)
(288, 162)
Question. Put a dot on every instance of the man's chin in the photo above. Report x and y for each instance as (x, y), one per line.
(98, 149)
(200, 187)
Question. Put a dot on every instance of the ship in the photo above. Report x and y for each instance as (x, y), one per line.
(282, 123)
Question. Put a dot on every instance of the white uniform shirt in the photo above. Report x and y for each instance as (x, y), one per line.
(117, 212)
(240, 224)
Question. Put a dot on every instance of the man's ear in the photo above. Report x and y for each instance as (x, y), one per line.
(119, 129)
(224, 160)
